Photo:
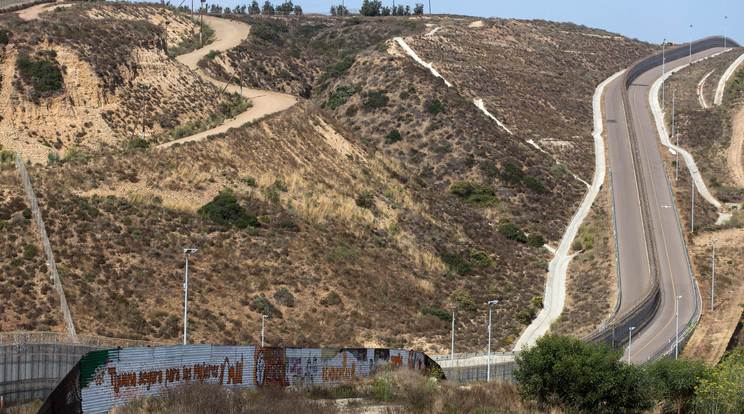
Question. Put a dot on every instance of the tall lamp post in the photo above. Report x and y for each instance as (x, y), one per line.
(187, 252)
(453, 337)
(488, 370)
(630, 337)
(725, 26)
(713, 275)
(692, 215)
(676, 342)
(691, 44)
(676, 166)
(263, 321)
(663, 71)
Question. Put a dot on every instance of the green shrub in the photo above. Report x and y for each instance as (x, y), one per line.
(341, 95)
(263, 305)
(526, 316)
(4, 37)
(537, 302)
(375, 100)
(393, 136)
(287, 224)
(482, 258)
(52, 158)
(512, 174)
(267, 30)
(463, 300)
(284, 297)
(27, 213)
(433, 106)
(437, 313)
(138, 143)
(335, 70)
(250, 181)
(474, 193)
(540, 264)
(331, 299)
(512, 231)
(29, 251)
(225, 210)
(43, 75)
(213, 54)
(456, 263)
(576, 245)
(536, 240)
(534, 184)
(365, 199)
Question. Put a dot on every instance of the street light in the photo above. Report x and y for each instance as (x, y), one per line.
(676, 166)
(453, 337)
(263, 319)
(663, 61)
(187, 252)
(713, 275)
(692, 215)
(143, 88)
(725, 26)
(691, 44)
(676, 344)
(630, 336)
(488, 370)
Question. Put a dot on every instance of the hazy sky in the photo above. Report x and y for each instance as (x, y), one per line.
(647, 20)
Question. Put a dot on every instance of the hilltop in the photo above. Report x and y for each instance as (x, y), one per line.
(381, 199)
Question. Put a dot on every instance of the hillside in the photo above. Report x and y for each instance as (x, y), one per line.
(381, 199)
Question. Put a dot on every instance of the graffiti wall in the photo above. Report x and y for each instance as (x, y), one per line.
(112, 377)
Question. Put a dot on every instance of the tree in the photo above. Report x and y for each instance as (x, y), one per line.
(342, 10)
(285, 8)
(721, 391)
(371, 8)
(268, 9)
(254, 9)
(298, 10)
(386, 11)
(581, 377)
(333, 10)
(673, 382)
(400, 10)
(418, 9)
(224, 209)
(215, 9)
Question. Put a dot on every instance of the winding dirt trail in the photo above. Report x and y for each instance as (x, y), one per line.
(229, 34)
(734, 152)
(32, 13)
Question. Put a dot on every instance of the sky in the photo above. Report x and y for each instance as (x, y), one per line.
(649, 20)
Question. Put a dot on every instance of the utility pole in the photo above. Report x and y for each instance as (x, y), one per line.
(713, 275)
(187, 252)
(676, 345)
(676, 165)
(453, 337)
(630, 337)
(143, 88)
(201, 23)
(488, 371)
(692, 215)
(691, 44)
(429, 6)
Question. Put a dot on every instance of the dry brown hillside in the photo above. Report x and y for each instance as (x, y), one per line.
(98, 103)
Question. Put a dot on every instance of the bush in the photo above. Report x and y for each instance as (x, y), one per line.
(437, 313)
(534, 184)
(27, 213)
(456, 263)
(511, 174)
(526, 316)
(433, 106)
(341, 95)
(365, 199)
(29, 251)
(284, 297)
(250, 181)
(673, 382)
(375, 100)
(463, 299)
(331, 299)
(536, 240)
(287, 224)
(576, 245)
(475, 194)
(580, 377)
(334, 70)
(4, 37)
(225, 210)
(721, 391)
(537, 302)
(43, 75)
(482, 258)
(512, 231)
(393, 136)
(263, 305)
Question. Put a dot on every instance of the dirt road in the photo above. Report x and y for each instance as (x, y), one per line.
(32, 13)
(734, 152)
(229, 34)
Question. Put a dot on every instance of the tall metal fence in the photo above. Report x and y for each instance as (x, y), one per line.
(9, 5)
(36, 211)
(29, 337)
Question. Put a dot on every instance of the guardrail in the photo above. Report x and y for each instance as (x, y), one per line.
(36, 212)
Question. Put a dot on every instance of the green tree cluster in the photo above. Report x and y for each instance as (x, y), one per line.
(474, 193)
(224, 209)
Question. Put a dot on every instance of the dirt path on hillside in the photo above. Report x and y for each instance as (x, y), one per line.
(229, 34)
(32, 13)
(734, 152)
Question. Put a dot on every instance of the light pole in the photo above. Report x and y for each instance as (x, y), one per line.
(429, 6)
(167, 22)
(713, 275)
(453, 337)
(630, 337)
(263, 320)
(691, 44)
(187, 252)
(725, 26)
(676, 343)
(676, 166)
(143, 88)
(673, 94)
(663, 82)
(201, 22)
(692, 215)
(488, 370)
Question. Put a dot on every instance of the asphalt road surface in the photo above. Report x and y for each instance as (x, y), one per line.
(672, 256)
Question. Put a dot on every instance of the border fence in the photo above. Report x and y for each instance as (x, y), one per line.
(36, 212)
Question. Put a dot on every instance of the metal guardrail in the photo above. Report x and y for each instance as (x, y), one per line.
(36, 212)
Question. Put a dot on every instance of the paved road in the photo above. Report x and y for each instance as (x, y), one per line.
(672, 256)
